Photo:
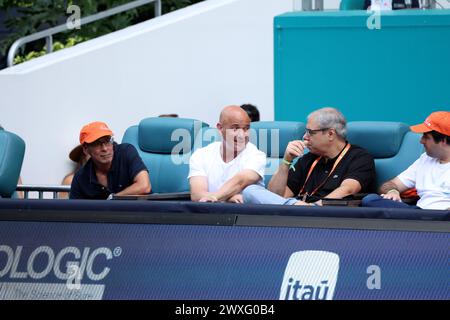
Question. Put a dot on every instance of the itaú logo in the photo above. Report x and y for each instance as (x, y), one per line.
(43, 260)
(310, 275)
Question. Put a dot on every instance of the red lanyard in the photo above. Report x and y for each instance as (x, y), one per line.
(343, 152)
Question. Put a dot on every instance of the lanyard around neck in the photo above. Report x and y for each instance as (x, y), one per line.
(343, 152)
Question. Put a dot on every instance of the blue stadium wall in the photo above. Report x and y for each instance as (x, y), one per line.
(396, 73)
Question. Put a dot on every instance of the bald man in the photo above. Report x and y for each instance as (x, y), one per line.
(221, 170)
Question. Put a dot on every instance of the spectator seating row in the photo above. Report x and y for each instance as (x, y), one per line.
(165, 145)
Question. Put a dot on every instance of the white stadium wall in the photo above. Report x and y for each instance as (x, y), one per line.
(192, 62)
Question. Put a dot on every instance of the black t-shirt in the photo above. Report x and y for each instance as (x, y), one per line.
(126, 164)
(357, 164)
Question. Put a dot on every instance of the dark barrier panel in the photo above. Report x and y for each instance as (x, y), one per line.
(227, 253)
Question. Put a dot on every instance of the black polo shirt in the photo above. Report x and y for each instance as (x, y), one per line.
(357, 164)
(126, 164)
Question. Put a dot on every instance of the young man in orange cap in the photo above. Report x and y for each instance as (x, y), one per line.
(112, 168)
(430, 174)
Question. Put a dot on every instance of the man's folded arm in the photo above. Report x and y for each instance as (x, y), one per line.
(237, 183)
(199, 186)
(141, 185)
(348, 187)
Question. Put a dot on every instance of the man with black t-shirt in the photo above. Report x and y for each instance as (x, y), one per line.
(332, 168)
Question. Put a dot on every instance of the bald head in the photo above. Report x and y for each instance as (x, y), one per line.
(234, 114)
(234, 124)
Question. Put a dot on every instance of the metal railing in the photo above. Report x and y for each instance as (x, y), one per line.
(425, 4)
(48, 34)
(318, 5)
(55, 190)
(438, 4)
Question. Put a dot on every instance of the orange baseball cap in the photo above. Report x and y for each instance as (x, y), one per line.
(93, 131)
(438, 121)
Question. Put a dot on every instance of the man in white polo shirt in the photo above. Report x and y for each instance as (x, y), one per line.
(430, 174)
(221, 170)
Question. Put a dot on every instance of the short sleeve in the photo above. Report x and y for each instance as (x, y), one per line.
(134, 161)
(196, 164)
(408, 177)
(362, 169)
(75, 190)
(256, 161)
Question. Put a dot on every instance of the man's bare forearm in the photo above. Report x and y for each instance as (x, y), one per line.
(279, 180)
(388, 186)
(135, 189)
(348, 187)
(236, 184)
(340, 192)
(196, 196)
(140, 186)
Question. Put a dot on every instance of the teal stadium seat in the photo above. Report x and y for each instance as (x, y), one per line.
(165, 146)
(209, 135)
(351, 5)
(12, 151)
(272, 137)
(393, 146)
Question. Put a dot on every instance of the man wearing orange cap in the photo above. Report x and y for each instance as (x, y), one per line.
(112, 168)
(430, 174)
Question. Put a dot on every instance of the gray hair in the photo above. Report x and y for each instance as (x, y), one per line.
(330, 118)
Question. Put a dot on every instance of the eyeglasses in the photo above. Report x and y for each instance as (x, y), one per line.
(107, 141)
(314, 131)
